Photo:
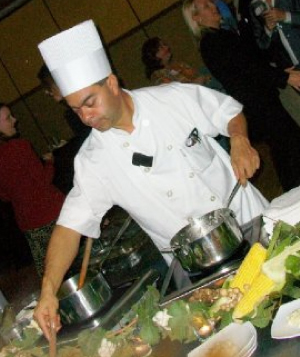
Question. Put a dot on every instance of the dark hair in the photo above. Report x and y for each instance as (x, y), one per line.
(77, 126)
(149, 51)
(44, 73)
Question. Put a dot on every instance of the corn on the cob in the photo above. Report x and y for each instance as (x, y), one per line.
(260, 288)
(250, 267)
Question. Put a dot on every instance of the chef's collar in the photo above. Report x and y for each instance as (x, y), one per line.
(135, 117)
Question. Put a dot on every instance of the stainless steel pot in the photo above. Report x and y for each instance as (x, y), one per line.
(78, 305)
(207, 241)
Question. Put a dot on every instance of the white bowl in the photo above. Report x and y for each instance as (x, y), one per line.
(238, 340)
(280, 327)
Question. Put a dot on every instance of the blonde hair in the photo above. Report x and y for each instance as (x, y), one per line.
(189, 9)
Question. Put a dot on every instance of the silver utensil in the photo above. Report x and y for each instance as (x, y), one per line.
(233, 193)
(106, 251)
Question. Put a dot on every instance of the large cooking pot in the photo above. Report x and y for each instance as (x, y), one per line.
(78, 305)
(207, 241)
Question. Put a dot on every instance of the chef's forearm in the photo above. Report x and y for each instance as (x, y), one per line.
(62, 250)
(238, 126)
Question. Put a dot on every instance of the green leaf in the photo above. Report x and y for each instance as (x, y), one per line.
(292, 265)
(264, 313)
(180, 323)
(199, 306)
(283, 236)
(30, 336)
(274, 238)
(69, 351)
(226, 318)
(290, 289)
(38, 352)
(90, 341)
(150, 333)
(148, 305)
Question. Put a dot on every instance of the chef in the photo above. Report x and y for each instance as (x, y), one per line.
(151, 151)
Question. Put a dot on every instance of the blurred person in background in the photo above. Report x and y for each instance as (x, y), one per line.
(160, 66)
(254, 83)
(26, 182)
(63, 157)
(276, 29)
(229, 21)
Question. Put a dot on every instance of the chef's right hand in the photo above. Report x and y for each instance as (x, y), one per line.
(46, 314)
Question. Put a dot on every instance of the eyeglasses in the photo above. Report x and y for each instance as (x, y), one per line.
(193, 138)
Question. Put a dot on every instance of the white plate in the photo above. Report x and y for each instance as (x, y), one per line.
(280, 327)
(249, 348)
(240, 337)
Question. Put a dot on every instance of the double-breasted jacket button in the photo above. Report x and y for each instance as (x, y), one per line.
(170, 193)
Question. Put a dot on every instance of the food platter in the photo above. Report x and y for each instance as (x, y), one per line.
(212, 281)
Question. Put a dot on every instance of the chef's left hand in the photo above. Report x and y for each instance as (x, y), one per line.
(244, 158)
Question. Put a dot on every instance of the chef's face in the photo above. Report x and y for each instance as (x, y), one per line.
(99, 105)
(207, 13)
(7, 123)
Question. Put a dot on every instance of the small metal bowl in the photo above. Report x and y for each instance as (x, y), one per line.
(78, 305)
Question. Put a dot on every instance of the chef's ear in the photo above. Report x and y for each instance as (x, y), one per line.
(113, 83)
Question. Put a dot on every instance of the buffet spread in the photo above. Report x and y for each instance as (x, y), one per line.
(220, 316)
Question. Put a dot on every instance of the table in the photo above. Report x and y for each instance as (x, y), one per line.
(267, 347)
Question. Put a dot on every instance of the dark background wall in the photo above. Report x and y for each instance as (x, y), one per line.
(124, 26)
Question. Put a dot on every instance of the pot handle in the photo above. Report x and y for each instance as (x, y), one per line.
(227, 212)
(169, 249)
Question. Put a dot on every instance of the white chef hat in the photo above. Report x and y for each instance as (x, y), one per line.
(76, 57)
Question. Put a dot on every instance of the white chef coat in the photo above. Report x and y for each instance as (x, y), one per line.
(183, 181)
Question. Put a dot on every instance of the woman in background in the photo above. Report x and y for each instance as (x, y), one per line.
(160, 66)
(26, 182)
